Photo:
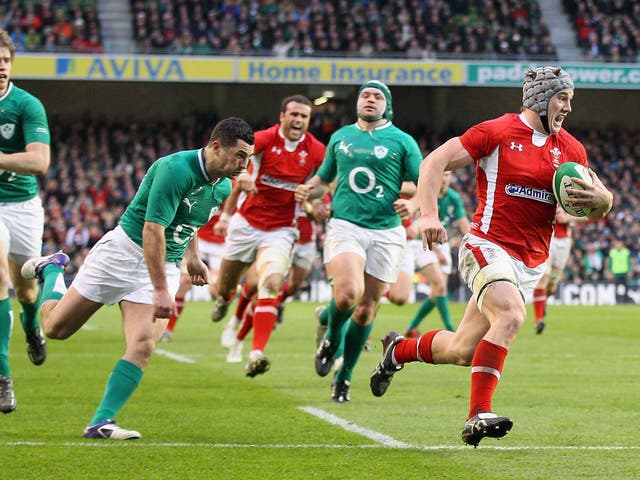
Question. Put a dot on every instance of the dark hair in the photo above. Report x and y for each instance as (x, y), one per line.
(5, 41)
(230, 130)
(297, 99)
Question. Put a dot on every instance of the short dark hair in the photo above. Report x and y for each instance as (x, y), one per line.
(5, 41)
(295, 98)
(228, 131)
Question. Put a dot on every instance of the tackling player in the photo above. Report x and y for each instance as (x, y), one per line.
(136, 265)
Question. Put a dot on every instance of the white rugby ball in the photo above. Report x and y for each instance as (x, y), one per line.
(563, 179)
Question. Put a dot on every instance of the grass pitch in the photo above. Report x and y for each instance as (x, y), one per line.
(572, 392)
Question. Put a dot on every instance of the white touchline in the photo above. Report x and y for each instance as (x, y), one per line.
(174, 356)
(377, 437)
(143, 444)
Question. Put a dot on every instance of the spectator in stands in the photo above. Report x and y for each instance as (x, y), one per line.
(451, 29)
(619, 261)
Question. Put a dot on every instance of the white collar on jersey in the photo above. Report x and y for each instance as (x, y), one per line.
(379, 127)
(538, 138)
(9, 87)
(289, 145)
(203, 168)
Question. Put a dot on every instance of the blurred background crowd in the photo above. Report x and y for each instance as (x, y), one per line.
(97, 165)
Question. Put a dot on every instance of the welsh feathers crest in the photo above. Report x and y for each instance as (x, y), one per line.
(380, 152)
(7, 130)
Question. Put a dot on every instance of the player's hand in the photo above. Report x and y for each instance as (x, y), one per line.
(302, 192)
(432, 231)
(246, 184)
(405, 208)
(198, 272)
(163, 304)
(320, 211)
(220, 227)
(593, 195)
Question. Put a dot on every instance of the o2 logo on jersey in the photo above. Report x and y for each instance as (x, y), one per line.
(7, 130)
(184, 233)
(371, 182)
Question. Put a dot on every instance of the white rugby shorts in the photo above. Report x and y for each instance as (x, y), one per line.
(23, 226)
(559, 252)
(476, 253)
(381, 249)
(211, 253)
(304, 254)
(427, 257)
(243, 240)
(115, 270)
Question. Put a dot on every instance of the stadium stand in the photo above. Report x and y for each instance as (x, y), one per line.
(606, 30)
(505, 29)
(52, 25)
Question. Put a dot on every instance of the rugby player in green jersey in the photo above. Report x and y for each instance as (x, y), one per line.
(24, 153)
(137, 264)
(365, 239)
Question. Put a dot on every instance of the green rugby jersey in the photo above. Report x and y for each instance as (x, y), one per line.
(370, 167)
(23, 120)
(176, 193)
(450, 207)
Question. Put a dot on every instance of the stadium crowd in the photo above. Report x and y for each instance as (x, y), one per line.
(52, 25)
(97, 165)
(401, 28)
(606, 30)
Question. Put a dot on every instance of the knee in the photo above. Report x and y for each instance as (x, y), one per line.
(509, 320)
(398, 299)
(142, 351)
(438, 289)
(363, 314)
(27, 295)
(345, 298)
(270, 287)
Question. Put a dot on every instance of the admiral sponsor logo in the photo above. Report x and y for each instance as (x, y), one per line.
(277, 183)
(536, 194)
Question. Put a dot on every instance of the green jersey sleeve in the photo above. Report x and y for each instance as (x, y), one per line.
(165, 193)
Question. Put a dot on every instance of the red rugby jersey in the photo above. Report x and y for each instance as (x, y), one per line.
(514, 171)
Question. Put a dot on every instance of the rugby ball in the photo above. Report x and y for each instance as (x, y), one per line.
(563, 179)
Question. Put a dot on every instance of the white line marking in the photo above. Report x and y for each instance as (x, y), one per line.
(141, 443)
(377, 437)
(174, 356)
